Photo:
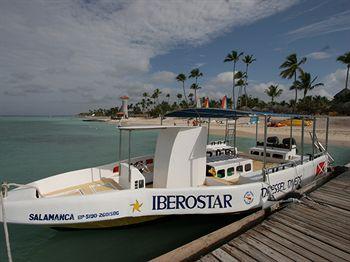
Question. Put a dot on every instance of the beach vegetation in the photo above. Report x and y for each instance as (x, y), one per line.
(195, 73)
(306, 83)
(345, 59)
(273, 91)
(182, 78)
(291, 67)
(233, 57)
(247, 59)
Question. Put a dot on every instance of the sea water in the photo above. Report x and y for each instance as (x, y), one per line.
(32, 148)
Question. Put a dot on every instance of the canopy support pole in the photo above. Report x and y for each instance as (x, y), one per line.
(265, 141)
(313, 138)
(302, 140)
(208, 130)
(226, 130)
(234, 137)
(256, 130)
(129, 155)
(120, 145)
(291, 133)
(327, 130)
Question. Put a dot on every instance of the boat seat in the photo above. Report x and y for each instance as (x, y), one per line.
(215, 181)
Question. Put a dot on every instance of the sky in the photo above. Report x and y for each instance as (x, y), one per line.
(62, 57)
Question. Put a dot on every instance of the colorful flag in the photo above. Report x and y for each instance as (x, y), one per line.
(224, 103)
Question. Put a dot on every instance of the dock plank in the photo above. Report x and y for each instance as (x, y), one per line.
(222, 255)
(314, 245)
(329, 217)
(237, 253)
(248, 249)
(265, 248)
(321, 223)
(318, 234)
(276, 245)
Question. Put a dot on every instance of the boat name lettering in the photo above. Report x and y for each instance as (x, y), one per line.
(50, 217)
(281, 186)
(189, 202)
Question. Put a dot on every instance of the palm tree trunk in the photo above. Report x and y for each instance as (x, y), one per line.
(195, 93)
(233, 87)
(347, 78)
(183, 87)
(195, 97)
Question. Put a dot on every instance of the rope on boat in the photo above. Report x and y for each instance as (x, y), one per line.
(3, 194)
(4, 188)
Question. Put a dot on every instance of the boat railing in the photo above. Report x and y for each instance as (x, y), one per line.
(290, 164)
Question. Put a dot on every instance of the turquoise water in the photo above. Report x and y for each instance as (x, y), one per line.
(36, 147)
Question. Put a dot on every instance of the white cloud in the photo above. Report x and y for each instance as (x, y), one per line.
(333, 82)
(318, 55)
(224, 78)
(103, 46)
(335, 23)
(164, 77)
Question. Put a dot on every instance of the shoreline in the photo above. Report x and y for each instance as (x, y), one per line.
(339, 128)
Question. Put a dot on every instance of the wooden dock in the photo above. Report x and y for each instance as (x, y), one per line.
(315, 229)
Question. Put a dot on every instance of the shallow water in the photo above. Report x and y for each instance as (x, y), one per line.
(36, 147)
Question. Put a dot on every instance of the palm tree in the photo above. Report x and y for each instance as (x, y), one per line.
(305, 83)
(155, 95)
(273, 91)
(190, 96)
(179, 96)
(195, 87)
(291, 67)
(233, 57)
(345, 59)
(248, 59)
(182, 78)
(195, 73)
(240, 83)
(168, 97)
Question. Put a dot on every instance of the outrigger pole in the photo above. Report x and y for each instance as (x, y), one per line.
(120, 145)
(302, 140)
(208, 130)
(291, 133)
(129, 158)
(313, 137)
(234, 135)
(256, 129)
(265, 141)
(327, 129)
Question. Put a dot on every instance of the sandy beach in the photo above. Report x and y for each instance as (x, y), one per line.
(339, 128)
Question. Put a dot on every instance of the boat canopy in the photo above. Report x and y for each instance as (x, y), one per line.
(207, 113)
(225, 113)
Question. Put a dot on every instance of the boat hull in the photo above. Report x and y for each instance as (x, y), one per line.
(126, 207)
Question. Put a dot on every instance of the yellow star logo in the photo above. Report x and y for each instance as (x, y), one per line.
(136, 206)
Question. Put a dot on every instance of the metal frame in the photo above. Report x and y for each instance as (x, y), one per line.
(302, 139)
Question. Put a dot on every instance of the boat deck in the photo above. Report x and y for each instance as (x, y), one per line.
(103, 185)
(108, 184)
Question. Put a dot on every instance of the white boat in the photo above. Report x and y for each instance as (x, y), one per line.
(180, 178)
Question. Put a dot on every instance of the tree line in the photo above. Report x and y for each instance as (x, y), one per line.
(158, 103)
